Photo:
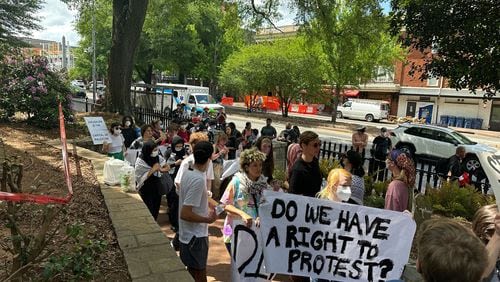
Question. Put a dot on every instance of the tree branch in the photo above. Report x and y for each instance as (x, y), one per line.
(265, 16)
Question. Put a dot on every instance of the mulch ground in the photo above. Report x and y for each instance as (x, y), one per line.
(43, 174)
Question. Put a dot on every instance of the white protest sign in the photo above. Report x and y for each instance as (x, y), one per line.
(98, 130)
(335, 241)
(248, 259)
(491, 166)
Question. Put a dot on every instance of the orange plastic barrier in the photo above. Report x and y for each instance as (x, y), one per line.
(228, 101)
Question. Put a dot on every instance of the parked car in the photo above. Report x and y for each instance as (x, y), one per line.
(78, 92)
(99, 86)
(364, 109)
(437, 142)
(78, 83)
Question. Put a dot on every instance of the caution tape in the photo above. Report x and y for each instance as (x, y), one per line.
(44, 199)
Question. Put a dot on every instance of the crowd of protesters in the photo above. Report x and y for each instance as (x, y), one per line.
(189, 164)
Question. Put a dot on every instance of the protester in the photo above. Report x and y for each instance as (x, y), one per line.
(179, 152)
(288, 135)
(359, 139)
(234, 139)
(172, 131)
(455, 168)
(486, 226)
(116, 146)
(129, 131)
(294, 152)
(448, 251)
(157, 129)
(353, 163)
(178, 115)
(146, 135)
(195, 214)
(381, 147)
(221, 118)
(246, 134)
(338, 187)
(400, 191)
(305, 178)
(244, 191)
(265, 145)
(220, 155)
(268, 130)
(182, 131)
(148, 171)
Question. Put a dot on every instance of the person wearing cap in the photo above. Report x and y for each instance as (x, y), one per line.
(382, 145)
(353, 163)
(359, 139)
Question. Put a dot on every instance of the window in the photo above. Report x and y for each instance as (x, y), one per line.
(445, 137)
(432, 81)
(427, 133)
(413, 131)
(191, 100)
(383, 74)
(347, 104)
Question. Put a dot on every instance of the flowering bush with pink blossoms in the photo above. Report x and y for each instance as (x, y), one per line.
(27, 85)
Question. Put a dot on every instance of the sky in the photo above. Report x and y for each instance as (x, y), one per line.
(58, 21)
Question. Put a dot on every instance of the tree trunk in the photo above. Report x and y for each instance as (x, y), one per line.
(335, 103)
(128, 19)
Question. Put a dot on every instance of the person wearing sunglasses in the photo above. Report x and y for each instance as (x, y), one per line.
(305, 178)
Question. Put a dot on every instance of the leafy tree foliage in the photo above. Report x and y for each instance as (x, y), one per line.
(284, 67)
(17, 18)
(354, 39)
(465, 34)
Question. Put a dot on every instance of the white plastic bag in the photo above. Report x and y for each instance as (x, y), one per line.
(127, 178)
(112, 170)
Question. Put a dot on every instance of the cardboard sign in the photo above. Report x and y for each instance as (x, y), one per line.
(491, 166)
(248, 264)
(323, 239)
(98, 130)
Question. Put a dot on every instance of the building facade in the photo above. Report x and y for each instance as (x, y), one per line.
(53, 50)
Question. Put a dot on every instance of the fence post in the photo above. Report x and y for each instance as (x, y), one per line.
(86, 104)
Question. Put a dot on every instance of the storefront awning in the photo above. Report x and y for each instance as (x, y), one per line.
(350, 93)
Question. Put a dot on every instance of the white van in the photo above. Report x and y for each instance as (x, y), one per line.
(369, 110)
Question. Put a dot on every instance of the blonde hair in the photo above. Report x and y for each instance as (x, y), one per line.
(446, 249)
(249, 156)
(221, 136)
(484, 221)
(196, 137)
(332, 182)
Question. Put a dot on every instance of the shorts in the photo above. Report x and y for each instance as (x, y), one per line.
(194, 254)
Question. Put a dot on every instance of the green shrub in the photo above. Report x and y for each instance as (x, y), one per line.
(453, 201)
(374, 201)
(325, 165)
(379, 188)
(28, 86)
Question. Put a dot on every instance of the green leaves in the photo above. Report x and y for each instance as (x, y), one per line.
(17, 18)
(465, 36)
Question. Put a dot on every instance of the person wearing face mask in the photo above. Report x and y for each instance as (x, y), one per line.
(183, 133)
(129, 131)
(338, 187)
(353, 163)
(149, 168)
(265, 145)
(400, 190)
(115, 147)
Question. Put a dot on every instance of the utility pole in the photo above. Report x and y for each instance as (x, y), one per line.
(94, 82)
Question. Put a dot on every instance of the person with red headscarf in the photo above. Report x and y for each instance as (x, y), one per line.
(403, 179)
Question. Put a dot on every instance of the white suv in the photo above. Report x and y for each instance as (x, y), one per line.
(434, 141)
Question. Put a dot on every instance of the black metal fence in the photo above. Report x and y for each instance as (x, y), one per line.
(147, 116)
(425, 167)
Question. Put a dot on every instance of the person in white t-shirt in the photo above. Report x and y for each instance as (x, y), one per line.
(195, 214)
(188, 162)
(115, 146)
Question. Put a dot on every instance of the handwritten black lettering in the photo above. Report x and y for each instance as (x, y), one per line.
(273, 234)
(372, 249)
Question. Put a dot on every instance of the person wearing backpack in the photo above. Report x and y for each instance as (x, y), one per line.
(381, 147)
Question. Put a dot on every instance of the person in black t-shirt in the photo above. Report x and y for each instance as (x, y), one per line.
(305, 178)
(381, 147)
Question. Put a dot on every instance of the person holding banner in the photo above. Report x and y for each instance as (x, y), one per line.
(244, 192)
(116, 147)
(400, 191)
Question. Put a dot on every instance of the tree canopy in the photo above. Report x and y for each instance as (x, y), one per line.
(459, 38)
(285, 67)
(17, 18)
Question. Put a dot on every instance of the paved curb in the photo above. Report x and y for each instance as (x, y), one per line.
(146, 249)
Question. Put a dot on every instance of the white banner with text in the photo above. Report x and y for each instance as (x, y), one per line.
(323, 239)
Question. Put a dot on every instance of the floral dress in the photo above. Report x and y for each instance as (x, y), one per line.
(246, 197)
